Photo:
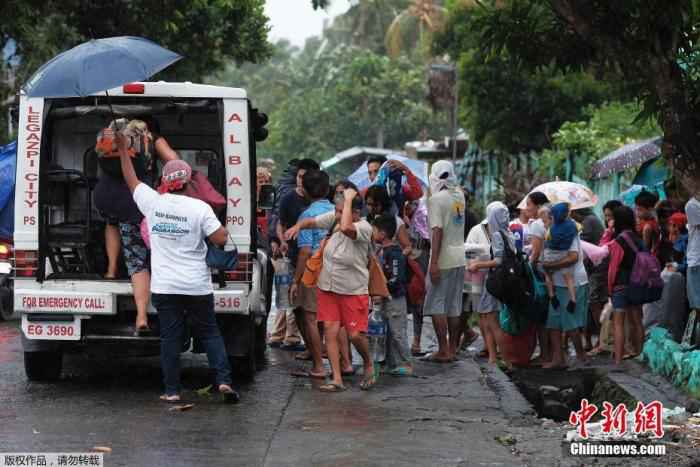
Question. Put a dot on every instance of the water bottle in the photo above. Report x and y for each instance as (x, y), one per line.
(283, 279)
(376, 333)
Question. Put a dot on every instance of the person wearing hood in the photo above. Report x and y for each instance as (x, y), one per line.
(445, 281)
(500, 236)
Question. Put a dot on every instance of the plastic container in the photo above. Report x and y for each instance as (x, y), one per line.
(283, 279)
(376, 334)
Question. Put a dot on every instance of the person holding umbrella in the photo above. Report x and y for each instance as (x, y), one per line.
(96, 66)
(123, 218)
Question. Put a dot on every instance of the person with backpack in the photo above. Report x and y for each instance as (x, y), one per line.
(500, 237)
(394, 307)
(625, 252)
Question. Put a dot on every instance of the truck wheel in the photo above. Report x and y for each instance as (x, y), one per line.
(261, 343)
(43, 366)
(243, 368)
(6, 308)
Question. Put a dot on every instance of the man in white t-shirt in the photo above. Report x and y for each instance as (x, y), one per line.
(181, 280)
(445, 281)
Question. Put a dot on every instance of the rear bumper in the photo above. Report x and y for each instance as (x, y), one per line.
(99, 298)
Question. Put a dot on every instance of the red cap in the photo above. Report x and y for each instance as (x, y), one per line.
(176, 174)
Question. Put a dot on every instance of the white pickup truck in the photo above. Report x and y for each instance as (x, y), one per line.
(59, 252)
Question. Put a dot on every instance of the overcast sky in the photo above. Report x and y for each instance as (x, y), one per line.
(296, 20)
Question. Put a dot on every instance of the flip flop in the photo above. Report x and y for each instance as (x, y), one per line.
(368, 383)
(228, 395)
(629, 356)
(562, 366)
(171, 399)
(401, 371)
(418, 353)
(431, 358)
(305, 356)
(303, 373)
(140, 332)
(331, 387)
(293, 347)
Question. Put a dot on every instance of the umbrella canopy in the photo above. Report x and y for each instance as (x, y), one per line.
(99, 65)
(578, 196)
(419, 168)
(629, 155)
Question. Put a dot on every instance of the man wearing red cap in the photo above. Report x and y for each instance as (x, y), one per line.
(181, 280)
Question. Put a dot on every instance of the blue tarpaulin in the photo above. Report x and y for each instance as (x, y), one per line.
(8, 167)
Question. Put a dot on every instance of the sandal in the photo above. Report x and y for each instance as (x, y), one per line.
(228, 395)
(142, 331)
(305, 355)
(432, 358)
(304, 373)
(331, 387)
(368, 383)
(173, 398)
(417, 352)
(402, 371)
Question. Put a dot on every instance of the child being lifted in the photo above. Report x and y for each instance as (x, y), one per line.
(562, 231)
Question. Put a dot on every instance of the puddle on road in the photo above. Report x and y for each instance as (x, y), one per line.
(555, 393)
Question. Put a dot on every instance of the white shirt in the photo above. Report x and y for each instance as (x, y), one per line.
(446, 210)
(692, 254)
(178, 226)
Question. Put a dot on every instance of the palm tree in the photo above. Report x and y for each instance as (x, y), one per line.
(414, 27)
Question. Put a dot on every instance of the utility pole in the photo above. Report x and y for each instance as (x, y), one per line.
(444, 95)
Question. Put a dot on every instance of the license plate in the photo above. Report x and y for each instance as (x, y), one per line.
(51, 330)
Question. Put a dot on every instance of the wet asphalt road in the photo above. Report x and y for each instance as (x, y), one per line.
(279, 421)
(449, 415)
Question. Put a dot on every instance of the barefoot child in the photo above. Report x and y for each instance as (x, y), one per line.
(562, 232)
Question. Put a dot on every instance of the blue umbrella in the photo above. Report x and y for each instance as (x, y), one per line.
(419, 168)
(99, 65)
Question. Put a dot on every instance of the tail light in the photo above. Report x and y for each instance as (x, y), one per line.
(4, 251)
(244, 269)
(26, 263)
(134, 88)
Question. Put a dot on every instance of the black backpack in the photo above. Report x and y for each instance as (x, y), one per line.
(510, 282)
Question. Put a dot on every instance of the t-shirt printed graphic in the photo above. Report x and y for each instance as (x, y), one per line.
(179, 226)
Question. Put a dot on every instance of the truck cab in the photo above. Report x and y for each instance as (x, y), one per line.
(59, 257)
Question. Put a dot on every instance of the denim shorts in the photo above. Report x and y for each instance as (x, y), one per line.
(619, 300)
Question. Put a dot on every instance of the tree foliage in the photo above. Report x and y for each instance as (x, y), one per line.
(506, 105)
(348, 97)
(649, 47)
(604, 129)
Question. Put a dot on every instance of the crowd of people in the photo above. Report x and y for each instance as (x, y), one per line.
(436, 258)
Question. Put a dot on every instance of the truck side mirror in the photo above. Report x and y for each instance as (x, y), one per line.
(266, 197)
